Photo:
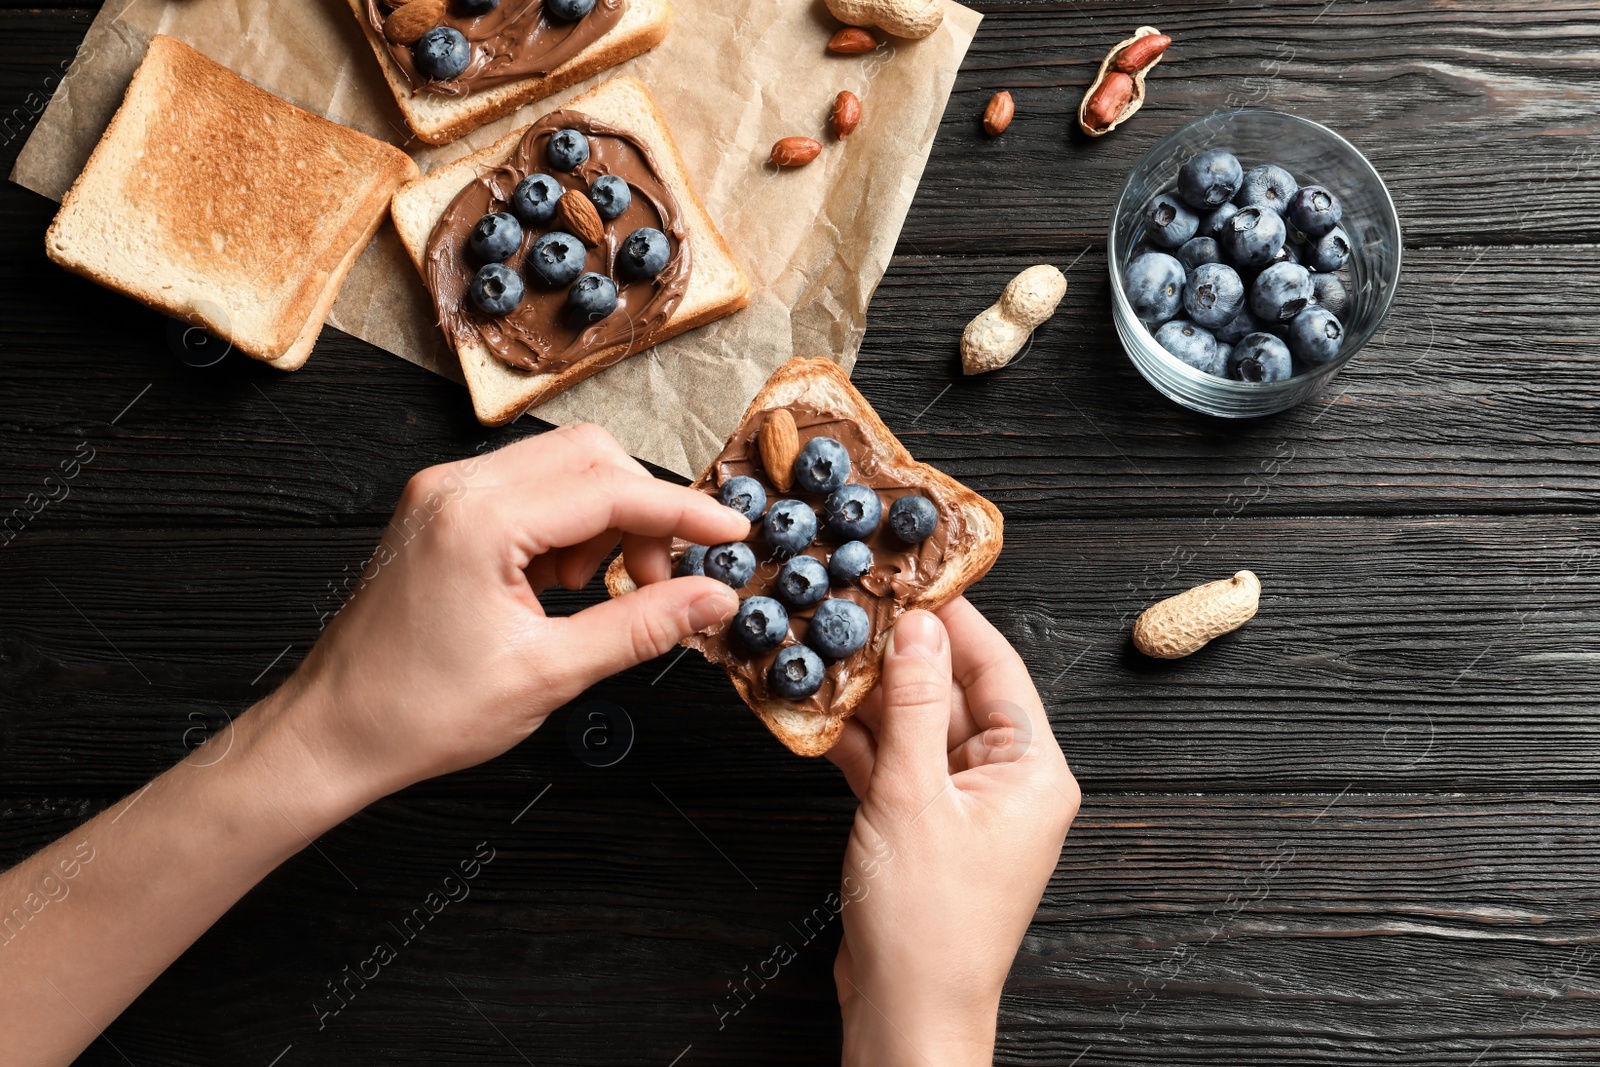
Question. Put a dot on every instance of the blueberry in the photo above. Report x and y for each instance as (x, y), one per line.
(1192, 344)
(1281, 292)
(822, 466)
(1237, 327)
(1253, 237)
(1291, 252)
(567, 150)
(1210, 179)
(643, 254)
(913, 518)
(732, 564)
(1212, 221)
(1315, 336)
(495, 237)
(692, 562)
(1329, 292)
(853, 511)
(745, 495)
(1329, 252)
(1168, 222)
(496, 289)
(568, 10)
(1198, 250)
(534, 199)
(849, 562)
(1224, 353)
(760, 624)
(1154, 284)
(802, 581)
(477, 7)
(591, 298)
(1260, 357)
(557, 258)
(838, 627)
(790, 526)
(1314, 211)
(610, 195)
(1266, 186)
(441, 54)
(1213, 295)
(796, 673)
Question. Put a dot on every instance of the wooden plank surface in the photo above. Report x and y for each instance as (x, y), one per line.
(1363, 830)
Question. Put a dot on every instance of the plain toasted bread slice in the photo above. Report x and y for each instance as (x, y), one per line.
(717, 285)
(442, 119)
(971, 550)
(218, 203)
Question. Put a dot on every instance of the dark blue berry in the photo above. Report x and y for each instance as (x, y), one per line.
(534, 199)
(1266, 186)
(1253, 236)
(591, 298)
(692, 562)
(745, 495)
(1212, 221)
(1154, 284)
(643, 254)
(557, 258)
(853, 511)
(1260, 357)
(496, 289)
(1213, 295)
(477, 7)
(1198, 250)
(802, 581)
(913, 518)
(731, 564)
(1168, 222)
(1224, 353)
(1237, 327)
(790, 526)
(610, 196)
(796, 673)
(495, 237)
(822, 466)
(1281, 292)
(1209, 179)
(441, 54)
(1315, 336)
(568, 10)
(567, 150)
(1314, 211)
(1194, 345)
(838, 627)
(1330, 293)
(1329, 252)
(760, 624)
(849, 562)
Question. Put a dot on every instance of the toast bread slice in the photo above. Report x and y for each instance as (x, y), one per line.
(718, 285)
(218, 203)
(442, 119)
(970, 551)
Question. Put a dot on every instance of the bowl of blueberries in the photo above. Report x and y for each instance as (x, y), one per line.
(1252, 255)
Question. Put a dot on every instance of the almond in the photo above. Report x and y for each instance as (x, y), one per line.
(576, 214)
(793, 151)
(780, 447)
(997, 116)
(852, 41)
(407, 23)
(846, 113)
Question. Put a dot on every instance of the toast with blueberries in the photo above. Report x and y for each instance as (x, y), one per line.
(565, 247)
(848, 532)
(218, 203)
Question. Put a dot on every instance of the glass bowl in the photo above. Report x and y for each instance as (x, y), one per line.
(1313, 154)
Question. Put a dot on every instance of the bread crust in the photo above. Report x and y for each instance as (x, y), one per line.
(970, 552)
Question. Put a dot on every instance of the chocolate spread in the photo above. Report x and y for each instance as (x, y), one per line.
(899, 571)
(515, 40)
(537, 336)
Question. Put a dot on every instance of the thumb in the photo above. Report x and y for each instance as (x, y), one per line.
(617, 634)
(912, 764)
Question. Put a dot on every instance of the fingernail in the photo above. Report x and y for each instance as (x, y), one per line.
(713, 608)
(918, 632)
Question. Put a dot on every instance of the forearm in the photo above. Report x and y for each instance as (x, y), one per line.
(91, 920)
(873, 1038)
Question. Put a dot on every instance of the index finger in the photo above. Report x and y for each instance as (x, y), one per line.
(989, 669)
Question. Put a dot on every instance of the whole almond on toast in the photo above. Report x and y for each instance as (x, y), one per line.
(576, 214)
(406, 24)
(780, 444)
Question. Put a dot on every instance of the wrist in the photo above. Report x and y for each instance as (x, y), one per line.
(891, 1035)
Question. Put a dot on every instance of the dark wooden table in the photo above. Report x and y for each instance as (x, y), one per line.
(1360, 831)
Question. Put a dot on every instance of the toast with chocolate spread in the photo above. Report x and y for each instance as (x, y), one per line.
(926, 539)
(593, 247)
(218, 203)
(512, 53)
